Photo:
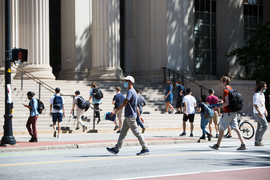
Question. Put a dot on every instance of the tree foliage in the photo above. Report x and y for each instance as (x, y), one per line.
(256, 52)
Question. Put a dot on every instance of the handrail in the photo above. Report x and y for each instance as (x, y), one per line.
(42, 83)
(183, 77)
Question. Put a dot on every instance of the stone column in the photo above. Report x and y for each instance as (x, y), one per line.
(32, 20)
(106, 41)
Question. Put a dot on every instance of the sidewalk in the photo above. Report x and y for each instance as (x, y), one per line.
(94, 140)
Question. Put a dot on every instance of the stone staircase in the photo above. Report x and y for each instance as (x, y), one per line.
(153, 93)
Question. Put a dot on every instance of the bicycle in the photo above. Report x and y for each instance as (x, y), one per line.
(245, 127)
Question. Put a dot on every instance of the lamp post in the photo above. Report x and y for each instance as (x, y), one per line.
(8, 137)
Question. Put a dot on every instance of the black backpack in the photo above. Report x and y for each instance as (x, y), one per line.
(235, 100)
(40, 107)
(57, 102)
(97, 93)
(81, 102)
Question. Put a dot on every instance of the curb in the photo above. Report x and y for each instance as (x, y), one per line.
(95, 145)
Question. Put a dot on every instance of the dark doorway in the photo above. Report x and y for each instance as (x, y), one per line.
(122, 34)
(55, 35)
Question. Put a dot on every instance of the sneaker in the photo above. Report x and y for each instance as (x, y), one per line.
(116, 127)
(191, 135)
(216, 135)
(258, 143)
(84, 128)
(174, 112)
(58, 136)
(33, 140)
(183, 134)
(112, 150)
(77, 128)
(143, 130)
(242, 147)
(228, 136)
(178, 112)
(203, 137)
(54, 134)
(118, 131)
(143, 152)
(166, 113)
(215, 147)
(209, 136)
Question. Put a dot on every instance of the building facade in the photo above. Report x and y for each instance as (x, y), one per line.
(104, 39)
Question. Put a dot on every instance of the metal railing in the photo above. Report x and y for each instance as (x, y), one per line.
(52, 90)
(167, 75)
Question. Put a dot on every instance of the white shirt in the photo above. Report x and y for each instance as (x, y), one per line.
(259, 99)
(190, 101)
(55, 110)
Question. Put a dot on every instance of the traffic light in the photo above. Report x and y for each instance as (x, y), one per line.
(19, 55)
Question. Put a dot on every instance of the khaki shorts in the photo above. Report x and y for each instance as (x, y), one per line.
(119, 114)
(215, 118)
(228, 119)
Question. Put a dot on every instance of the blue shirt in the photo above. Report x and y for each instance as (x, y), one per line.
(131, 107)
(141, 102)
(34, 104)
(95, 101)
(179, 89)
(118, 99)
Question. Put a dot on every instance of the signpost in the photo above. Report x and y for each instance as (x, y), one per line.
(8, 137)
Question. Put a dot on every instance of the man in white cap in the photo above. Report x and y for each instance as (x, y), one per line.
(131, 112)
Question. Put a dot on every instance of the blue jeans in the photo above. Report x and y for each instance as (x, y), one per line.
(139, 122)
(204, 123)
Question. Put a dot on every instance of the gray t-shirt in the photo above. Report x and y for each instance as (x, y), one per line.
(141, 102)
(131, 107)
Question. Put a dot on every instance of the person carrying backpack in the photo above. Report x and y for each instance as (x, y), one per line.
(228, 118)
(33, 107)
(57, 110)
(96, 94)
(204, 121)
(80, 103)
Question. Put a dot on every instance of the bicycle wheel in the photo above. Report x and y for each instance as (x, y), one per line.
(247, 130)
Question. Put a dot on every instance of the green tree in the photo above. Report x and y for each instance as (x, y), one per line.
(256, 52)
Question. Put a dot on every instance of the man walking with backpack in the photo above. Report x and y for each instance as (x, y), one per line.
(80, 102)
(33, 107)
(96, 94)
(57, 110)
(228, 117)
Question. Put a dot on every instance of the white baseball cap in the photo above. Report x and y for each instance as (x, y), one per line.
(130, 78)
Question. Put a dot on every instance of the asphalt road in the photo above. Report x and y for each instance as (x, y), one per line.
(165, 161)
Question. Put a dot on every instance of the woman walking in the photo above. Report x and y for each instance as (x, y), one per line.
(169, 97)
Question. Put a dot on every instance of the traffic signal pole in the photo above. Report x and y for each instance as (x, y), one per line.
(8, 137)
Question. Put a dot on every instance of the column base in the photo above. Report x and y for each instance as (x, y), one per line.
(73, 75)
(106, 74)
(43, 71)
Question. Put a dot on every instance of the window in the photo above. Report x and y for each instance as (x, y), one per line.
(205, 37)
(253, 15)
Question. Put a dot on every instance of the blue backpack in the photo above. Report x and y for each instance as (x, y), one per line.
(57, 102)
(208, 111)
